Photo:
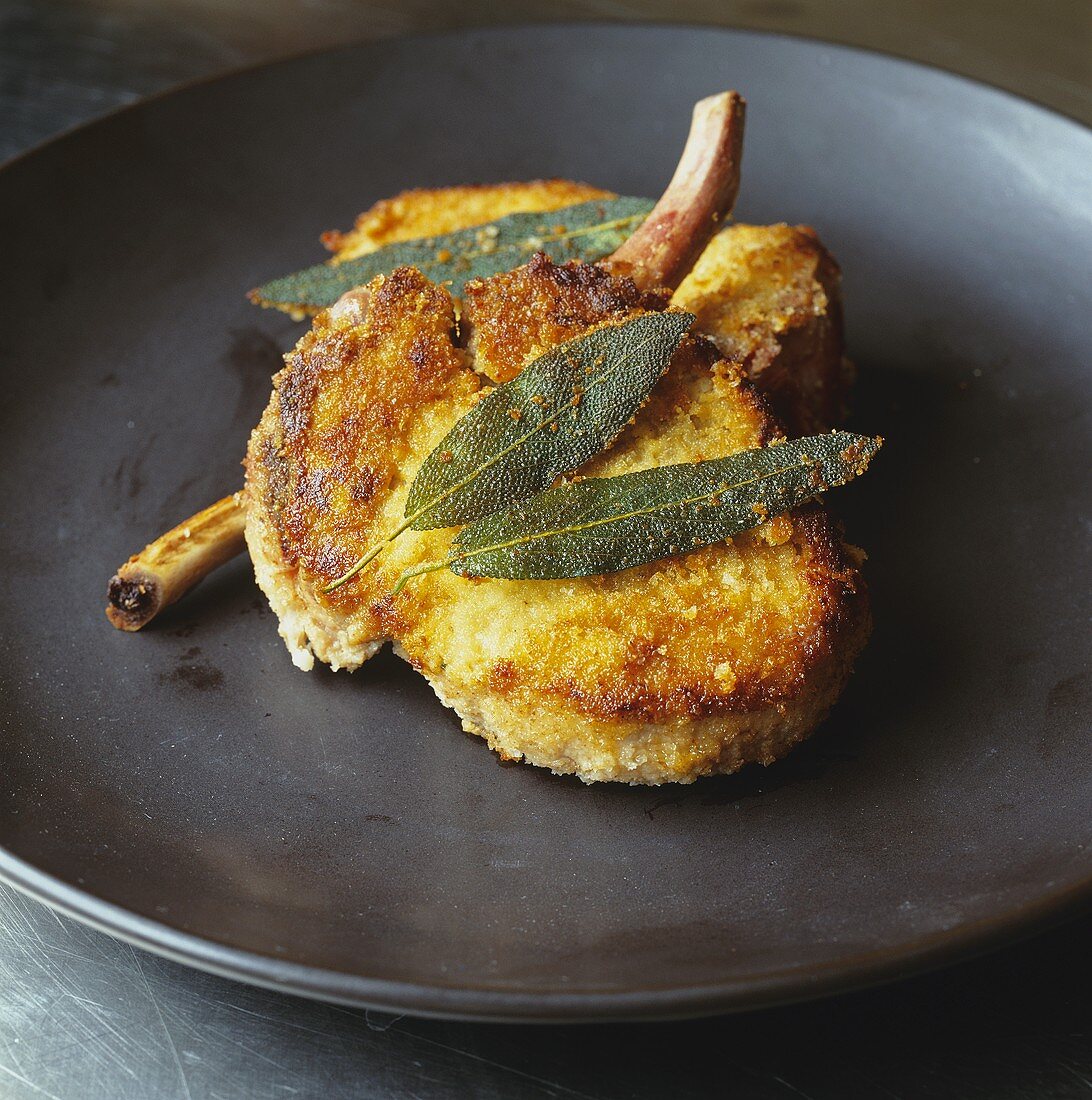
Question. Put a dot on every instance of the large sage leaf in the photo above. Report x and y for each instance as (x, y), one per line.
(601, 525)
(587, 231)
(561, 410)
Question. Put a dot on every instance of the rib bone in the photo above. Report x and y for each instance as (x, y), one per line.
(168, 568)
(699, 197)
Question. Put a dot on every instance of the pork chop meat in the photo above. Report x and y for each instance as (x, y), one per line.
(679, 668)
(769, 296)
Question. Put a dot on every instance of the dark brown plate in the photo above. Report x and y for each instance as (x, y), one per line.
(337, 835)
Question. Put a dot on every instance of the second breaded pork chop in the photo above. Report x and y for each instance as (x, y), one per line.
(769, 296)
(680, 668)
(428, 212)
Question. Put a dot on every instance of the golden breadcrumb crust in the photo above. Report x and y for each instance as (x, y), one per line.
(515, 316)
(769, 296)
(680, 668)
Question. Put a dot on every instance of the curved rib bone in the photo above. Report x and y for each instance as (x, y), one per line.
(700, 195)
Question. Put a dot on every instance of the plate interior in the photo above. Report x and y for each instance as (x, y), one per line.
(344, 823)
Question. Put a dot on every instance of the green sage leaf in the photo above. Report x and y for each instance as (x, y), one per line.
(562, 409)
(587, 231)
(602, 525)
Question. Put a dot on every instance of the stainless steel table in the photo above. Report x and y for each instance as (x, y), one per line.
(86, 1017)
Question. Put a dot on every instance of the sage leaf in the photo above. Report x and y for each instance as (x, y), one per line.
(586, 231)
(562, 409)
(602, 525)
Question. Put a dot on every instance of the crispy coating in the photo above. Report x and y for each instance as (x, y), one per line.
(680, 668)
(355, 409)
(770, 299)
(517, 315)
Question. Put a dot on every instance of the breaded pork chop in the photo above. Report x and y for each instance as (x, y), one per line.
(666, 672)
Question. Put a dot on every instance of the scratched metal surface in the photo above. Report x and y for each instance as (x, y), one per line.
(86, 1017)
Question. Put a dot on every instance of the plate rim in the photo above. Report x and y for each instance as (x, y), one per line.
(525, 25)
(497, 1004)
